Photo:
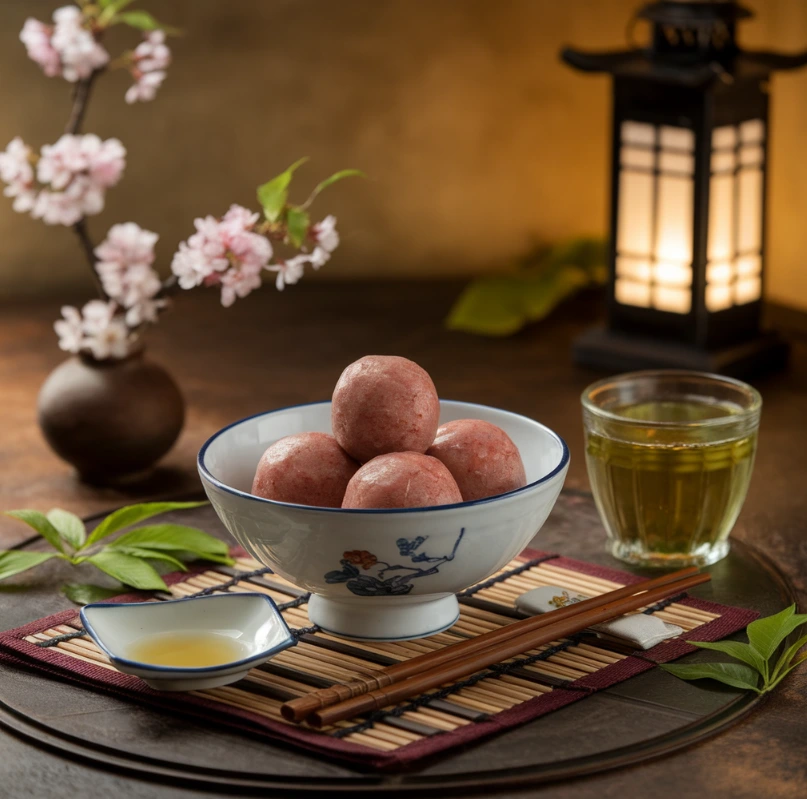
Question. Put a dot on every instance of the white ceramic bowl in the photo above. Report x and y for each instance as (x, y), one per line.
(251, 619)
(380, 574)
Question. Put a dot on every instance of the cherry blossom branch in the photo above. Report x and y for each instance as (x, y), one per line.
(81, 96)
(87, 246)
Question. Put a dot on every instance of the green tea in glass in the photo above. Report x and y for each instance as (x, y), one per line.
(669, 456)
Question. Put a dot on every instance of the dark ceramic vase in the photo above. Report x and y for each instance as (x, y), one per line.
(112, 420)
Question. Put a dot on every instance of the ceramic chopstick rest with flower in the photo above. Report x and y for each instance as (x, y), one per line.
(640, 630)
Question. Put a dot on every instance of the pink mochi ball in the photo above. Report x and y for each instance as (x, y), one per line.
(480, 456)
(306, 469)
(384, 403)
(401, 480)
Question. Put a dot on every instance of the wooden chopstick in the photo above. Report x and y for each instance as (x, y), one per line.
(465, 666)
(299, 709)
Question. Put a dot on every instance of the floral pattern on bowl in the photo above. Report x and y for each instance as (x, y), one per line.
(378, 584)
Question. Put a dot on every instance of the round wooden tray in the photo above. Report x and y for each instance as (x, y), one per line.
(647, 716)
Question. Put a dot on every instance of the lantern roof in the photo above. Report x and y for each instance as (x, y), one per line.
(693, 43)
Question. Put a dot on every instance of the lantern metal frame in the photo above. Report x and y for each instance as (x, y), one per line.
(693, 75)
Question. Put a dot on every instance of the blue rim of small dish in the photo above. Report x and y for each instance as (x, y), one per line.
(262, 655)
(206, 474)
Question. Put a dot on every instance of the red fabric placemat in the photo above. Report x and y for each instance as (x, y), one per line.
(49, 660)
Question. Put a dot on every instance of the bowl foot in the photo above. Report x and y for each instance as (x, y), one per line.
(381, 621)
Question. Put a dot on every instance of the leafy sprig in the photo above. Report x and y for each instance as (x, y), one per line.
(758, 670)
(131, 558)
(293, 221)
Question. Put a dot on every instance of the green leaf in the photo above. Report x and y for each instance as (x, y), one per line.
(787, 671)
(110, 8)
(766, 634)
(297, 223)
(273, 194)
(69, 527)
(40, 523)
(787, 656)
(132, 514)
(173, 537)
(14, 562)
(734, 674)
(128, 569)
(335, 178)
(501, 306)
(143, 21)
(744, 652)
(151, 554)
(85, 593)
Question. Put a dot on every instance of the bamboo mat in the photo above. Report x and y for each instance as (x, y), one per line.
(499, 697)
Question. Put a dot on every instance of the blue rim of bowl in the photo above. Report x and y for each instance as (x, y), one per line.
(139, 664)
(205, 472)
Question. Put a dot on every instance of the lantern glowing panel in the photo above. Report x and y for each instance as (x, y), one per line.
(690, 136)
(654, 217)
(736, 188)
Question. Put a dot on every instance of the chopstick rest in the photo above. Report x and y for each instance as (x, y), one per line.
(637, 629)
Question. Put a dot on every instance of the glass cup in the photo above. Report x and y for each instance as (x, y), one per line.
(669, 456)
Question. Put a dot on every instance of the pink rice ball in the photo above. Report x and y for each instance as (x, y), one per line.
(306, 469)
(480, 456)
(401, 480)
(384, 403)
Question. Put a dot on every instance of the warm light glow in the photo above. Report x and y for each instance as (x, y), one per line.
(734, 244)
(673, 300)
(630, 292)
(655, 217)
(747, 289)
(718, 298)
(634, 231)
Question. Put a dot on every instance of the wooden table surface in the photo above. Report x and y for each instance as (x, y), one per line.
(279, 349)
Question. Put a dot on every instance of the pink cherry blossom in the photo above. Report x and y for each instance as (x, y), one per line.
(79, 51)
(69, 329)
(325, 234)
(36, 36)
(16, 171)
(124, 266)
(97, 329)
(144, 89)
(152, 54)
(289, 271)
(79, 169)
(150, 59)
(319, 257)
(224, 252)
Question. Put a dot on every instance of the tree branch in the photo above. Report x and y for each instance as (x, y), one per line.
(81, 231)
(81, 96)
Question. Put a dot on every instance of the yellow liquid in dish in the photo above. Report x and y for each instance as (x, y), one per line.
(191, 650)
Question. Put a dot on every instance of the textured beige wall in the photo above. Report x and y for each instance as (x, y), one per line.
(479, 142)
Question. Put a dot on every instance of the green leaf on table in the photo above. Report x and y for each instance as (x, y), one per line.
(787, 656)
(273, 194)
(144, 21)
(151, 554)
(172, 537)
(501, 306)
(297, 224)
(86, 594)
(766, 634)
(69, 527)
(335, 178)
(735, 674)
(132, 514)
(743, 652)
(14, 561)
(128, 569)
(39, 522)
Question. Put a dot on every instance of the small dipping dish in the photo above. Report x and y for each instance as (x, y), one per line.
(230, 633)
